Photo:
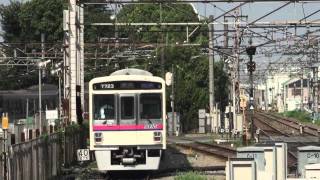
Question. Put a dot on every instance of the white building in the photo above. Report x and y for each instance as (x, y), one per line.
(275, 91)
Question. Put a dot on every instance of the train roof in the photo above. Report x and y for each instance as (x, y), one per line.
(131, 71)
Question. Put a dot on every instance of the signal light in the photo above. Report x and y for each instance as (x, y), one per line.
(251, 66)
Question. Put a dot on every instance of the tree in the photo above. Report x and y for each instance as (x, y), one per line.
(10, 21)
(24, 23)
(191, 68)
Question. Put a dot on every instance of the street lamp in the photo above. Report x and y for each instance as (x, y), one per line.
(251, 65)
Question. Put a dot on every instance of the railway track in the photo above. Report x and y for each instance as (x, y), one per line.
(211, 149)
(290, 125)
(267, 129)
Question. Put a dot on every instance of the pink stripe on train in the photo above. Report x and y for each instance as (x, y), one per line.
(103, 127)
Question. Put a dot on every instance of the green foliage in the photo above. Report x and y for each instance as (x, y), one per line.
(25, 22)
(299, 115)
(10, 21)
(191, 68)
(41, 16)
(45, 138)
(156, 13)
(190, 176)
(96, 14)
(72, 129)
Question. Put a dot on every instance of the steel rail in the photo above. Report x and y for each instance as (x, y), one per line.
(289, 123)
(268, 125)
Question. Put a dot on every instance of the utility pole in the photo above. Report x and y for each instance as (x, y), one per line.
(162, 47)
(40, 83)
(226, 41)
(315, 93)
(302, 91)
(172, 102)
(236, 84)
(211, 74)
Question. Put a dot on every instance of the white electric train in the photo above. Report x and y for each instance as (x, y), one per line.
(127, 120)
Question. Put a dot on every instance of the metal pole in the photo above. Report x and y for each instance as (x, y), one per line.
(211, 73)
(59, 110)
(266, 101)
(251, 101)
(40, 83)
(316, 93)
(27, 108)
(172, 102)
(302, 92)
(40, 123)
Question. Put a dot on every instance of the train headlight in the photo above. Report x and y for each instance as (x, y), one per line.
(98, 137)
(157, 136)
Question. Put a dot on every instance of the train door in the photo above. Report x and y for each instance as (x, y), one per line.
(127, 110)
(128, 117)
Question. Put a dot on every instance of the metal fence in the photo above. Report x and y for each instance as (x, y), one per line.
(42, 158)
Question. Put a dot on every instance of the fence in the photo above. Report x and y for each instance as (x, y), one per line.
(42, 158)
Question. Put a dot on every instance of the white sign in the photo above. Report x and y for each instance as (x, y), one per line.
(83, 154)
(52, 114)
(168, 78)
(202, 113)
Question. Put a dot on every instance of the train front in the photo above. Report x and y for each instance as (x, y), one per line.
(127, 121)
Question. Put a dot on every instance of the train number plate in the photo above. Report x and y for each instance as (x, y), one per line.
(83, 154)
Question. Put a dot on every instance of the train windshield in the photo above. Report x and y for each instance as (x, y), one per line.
(150, 109)
(127, 111)
(104, 109)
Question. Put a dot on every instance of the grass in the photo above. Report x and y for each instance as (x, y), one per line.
(192, 175)
(301, 116)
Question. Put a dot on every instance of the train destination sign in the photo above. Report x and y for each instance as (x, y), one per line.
(126, 85)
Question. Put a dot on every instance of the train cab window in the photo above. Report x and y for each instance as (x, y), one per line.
(127, 110)
(150, 108)
(104, 109)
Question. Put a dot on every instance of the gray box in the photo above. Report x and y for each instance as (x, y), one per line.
(257, 153)
(307, 155)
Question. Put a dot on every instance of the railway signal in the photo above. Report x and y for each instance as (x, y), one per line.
(251, 50)
(251, 66)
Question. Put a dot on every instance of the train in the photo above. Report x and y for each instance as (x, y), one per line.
(127, 118)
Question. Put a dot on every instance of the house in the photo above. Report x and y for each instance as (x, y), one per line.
(296, 94)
